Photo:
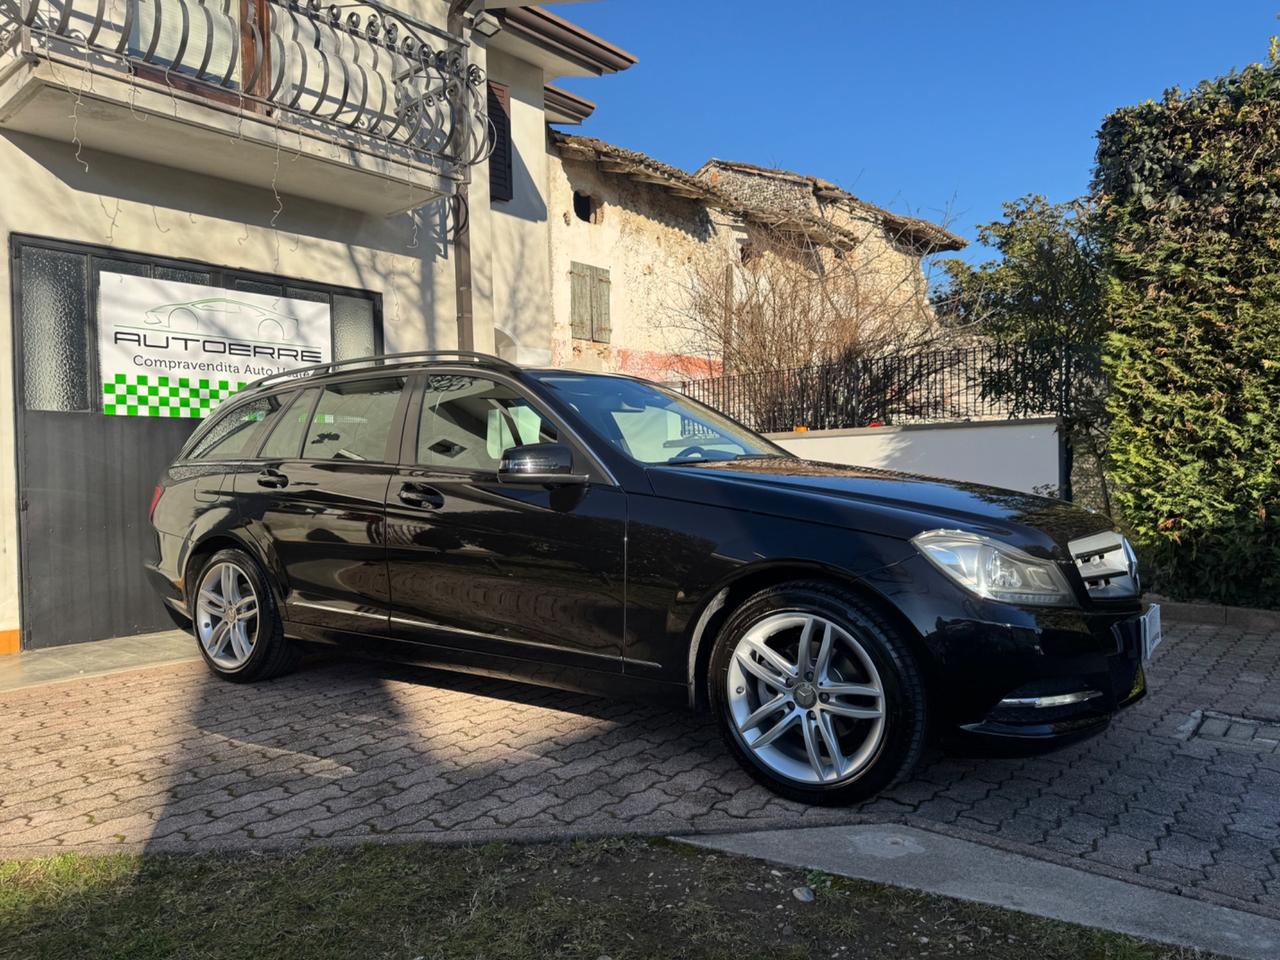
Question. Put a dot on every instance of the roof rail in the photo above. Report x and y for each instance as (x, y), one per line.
(383, 360)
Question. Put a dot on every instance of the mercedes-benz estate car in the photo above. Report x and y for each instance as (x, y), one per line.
(602, 533)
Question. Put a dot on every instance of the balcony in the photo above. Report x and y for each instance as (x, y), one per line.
(352, 104)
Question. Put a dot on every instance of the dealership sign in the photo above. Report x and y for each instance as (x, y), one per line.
(170, 349)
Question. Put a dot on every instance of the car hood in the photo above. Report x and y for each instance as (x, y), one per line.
(880, 501)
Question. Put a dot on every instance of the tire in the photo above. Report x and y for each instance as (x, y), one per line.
(269, 653)
(868, 699)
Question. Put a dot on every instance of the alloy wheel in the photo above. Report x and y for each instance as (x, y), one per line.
(227, 615)
(806, 699)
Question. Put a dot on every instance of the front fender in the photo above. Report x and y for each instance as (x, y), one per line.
(751, 579)
(682, 555)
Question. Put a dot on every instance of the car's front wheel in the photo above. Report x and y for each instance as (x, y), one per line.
(236, 622)
(817, 694)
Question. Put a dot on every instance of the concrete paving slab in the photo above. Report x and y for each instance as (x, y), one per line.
(99, 658)
(921, 860)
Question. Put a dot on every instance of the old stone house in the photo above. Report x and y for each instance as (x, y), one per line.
(630, 235)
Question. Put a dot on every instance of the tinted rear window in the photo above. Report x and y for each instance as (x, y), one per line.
(229, 436)
(353, 420)
(285, 441)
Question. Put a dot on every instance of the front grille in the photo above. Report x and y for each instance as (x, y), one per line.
(1107, 565)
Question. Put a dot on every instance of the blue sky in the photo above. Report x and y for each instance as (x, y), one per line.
(940, 109)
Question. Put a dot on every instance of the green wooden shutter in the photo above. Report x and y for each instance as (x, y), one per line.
(580, 284)
(601, 326)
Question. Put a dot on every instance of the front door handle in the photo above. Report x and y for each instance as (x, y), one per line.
(421, 495)
(272, 478)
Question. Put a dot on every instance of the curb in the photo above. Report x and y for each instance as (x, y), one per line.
(1242, 618)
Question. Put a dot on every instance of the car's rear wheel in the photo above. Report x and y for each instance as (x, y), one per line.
(817, 694)
(236, 622)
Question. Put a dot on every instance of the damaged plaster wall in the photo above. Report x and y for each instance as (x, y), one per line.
(649, 241)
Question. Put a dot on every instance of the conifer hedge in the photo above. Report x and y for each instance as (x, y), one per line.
(1189, 194)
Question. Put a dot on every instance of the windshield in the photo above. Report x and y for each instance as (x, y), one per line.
(654, 425)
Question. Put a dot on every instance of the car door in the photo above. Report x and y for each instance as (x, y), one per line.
(534, 572)
(315, 495)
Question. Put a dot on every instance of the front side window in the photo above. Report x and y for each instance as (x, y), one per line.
(467, 422)
(228, 437)
(657, 426)
(353, 420)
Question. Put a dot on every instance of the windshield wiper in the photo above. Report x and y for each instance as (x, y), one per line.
(677, 461)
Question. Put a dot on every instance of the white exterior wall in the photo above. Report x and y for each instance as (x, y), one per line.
(516, 234)
(1014, 454)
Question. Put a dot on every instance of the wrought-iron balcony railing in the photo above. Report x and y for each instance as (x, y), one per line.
(358, 69)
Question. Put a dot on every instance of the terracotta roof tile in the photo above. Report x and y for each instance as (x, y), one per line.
(642, 167)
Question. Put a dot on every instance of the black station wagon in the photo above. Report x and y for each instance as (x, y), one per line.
(602, 533)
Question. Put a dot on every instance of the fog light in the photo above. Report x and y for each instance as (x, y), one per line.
(1056, 700)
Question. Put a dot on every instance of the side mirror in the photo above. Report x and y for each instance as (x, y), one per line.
(539, 463)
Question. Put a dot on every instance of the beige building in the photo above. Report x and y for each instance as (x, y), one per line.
(318, 175)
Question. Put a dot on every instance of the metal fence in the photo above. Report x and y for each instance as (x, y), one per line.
(992, 381)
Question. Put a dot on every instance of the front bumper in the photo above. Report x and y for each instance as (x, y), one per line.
(1021, 678)
(1051, 726)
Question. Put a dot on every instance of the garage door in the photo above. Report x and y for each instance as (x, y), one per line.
(87, 467)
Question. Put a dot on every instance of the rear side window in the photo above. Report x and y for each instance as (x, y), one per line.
(285, 441)
(353, 420)
(228, 438)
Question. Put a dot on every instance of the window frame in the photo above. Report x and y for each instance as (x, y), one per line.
(220, 277)
(585, 460)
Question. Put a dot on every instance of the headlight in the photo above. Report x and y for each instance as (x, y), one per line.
(994, 570)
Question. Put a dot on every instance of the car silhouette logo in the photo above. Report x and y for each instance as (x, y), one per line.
(217, 314)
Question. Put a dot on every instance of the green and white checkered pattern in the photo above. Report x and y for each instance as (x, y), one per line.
(143, 395)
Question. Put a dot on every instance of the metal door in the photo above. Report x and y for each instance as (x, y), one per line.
(85, 480)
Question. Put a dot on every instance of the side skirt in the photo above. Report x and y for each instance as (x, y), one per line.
(573, 679)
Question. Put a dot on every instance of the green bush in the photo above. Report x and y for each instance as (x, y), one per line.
(1189, 212)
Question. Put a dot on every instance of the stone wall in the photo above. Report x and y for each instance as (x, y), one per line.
(650, 242)
(657, 245)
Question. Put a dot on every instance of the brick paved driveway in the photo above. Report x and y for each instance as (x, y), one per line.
(1178, 793)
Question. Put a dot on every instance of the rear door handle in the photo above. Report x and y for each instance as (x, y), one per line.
(272, 478)
(421, 495)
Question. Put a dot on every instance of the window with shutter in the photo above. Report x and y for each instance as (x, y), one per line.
(501, 180)
(589, 302)
(580, 277)
(600, 323)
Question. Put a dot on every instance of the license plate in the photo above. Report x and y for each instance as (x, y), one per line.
(1151, 632)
